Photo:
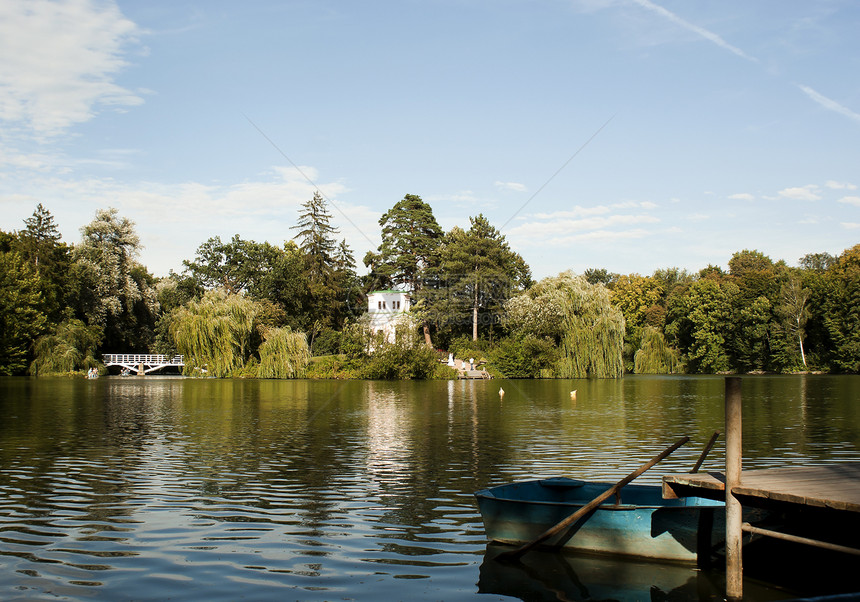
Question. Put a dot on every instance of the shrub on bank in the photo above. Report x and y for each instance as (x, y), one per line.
(463, 347)
(524, 356)
(337, 367)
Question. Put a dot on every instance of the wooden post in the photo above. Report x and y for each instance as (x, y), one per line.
(734, 511)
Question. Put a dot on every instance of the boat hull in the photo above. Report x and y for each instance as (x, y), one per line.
(639, 524)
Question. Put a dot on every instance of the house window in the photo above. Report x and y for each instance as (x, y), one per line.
(379, 305)
(383, 305)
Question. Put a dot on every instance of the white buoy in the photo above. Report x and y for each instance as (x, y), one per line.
(573, 395)
(501, 392)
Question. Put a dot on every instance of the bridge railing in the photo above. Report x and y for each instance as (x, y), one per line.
(143, 358)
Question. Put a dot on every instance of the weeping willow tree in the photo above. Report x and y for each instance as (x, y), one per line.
(215, 333)
(655, 356)
(69, 348)
(283, 354)
(578, 316)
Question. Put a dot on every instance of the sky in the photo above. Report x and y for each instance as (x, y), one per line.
(631, 135)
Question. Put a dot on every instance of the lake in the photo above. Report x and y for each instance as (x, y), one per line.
(150, 488)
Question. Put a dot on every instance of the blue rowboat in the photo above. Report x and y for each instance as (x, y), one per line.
(638, 522)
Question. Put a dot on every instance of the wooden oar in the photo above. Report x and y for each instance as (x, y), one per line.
(706, 451)
(566, 522)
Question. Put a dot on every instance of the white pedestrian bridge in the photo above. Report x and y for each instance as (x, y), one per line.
(142, 363)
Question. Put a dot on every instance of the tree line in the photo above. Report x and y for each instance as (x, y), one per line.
(246, 308)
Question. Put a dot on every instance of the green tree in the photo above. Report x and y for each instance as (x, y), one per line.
(316, 236)
(40, 245)
(411, 239)
(316, 239)
(841, 311)
(21, 317)
(71, 347)
(216, 333)
(235, 266)
(698, 323)
(284, 353)
(655, 356)
(114, 291)
(481, 271)
(601, 276)
(746, 261)
(579, 317)
(749, 344)
(352, 300)
(817, 262)
(40, 237)
(286, 284)
(792, 313)
(637, 297)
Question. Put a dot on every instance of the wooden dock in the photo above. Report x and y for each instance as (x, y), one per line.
(835, 486)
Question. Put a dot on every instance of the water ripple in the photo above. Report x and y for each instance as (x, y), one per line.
(222, 490)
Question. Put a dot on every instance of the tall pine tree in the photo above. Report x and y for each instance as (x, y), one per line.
(481, 270)
(411, 238)
(319, 249)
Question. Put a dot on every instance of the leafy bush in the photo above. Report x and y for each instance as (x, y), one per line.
(524, 356)
(370, 355)
(394, 361)
(463, 347)
(326, 342)
(332, 366)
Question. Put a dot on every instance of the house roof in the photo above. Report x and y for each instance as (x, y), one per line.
(389, 292)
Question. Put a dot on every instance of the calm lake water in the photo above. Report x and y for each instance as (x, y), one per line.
(160, 488)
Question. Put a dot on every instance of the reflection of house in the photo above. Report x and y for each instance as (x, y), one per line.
(386, 309)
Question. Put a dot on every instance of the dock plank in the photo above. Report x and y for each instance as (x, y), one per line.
(834, 486)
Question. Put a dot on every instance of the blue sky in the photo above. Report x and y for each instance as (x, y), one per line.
(626, 134)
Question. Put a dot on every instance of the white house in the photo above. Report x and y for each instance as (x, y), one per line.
(386, 309)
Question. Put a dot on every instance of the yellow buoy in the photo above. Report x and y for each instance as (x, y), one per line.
(573, 395)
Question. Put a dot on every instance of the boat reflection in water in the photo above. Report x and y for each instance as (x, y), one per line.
(545, 575)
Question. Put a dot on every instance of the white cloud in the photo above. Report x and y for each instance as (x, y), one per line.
(460, 199)
(539, 233)
(510, 186)
(700, 31)
(850, 225)
(742, 196)
(801, 193)
(851, 200)
(600, 235)
(830, 105)
(840, 185)
(634, 205)
(59, 60)
(37, 162)
(174, 219)
(572, 213)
